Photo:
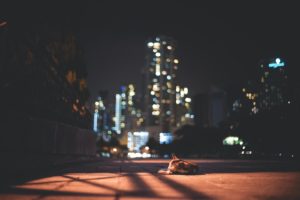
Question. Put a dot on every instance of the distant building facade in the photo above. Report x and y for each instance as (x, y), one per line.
(102, 123)
(273, 83)
(127, 114)
(269, 90)
(210, 108)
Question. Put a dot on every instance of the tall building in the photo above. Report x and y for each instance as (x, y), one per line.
(248, 104)
(128, 119)
(160, 95)
(273, 83)
(268, 90)
(121, 105)
(183, 108)
(127, 114)
(118, 114)
(102, 119)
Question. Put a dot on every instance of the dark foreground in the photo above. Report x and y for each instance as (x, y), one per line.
(138, 179)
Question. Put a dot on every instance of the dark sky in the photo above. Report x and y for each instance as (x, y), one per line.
(219, 42)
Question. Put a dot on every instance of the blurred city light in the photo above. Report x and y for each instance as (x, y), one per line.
(232, 140)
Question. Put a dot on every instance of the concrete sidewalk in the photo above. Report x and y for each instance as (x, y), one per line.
(138, 179)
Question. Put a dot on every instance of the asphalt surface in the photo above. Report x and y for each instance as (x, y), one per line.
(138, 179)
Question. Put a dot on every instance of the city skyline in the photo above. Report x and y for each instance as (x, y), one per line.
(220, 43)
(163, 106)
(215, 46)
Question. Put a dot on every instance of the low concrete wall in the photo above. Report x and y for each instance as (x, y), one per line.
(46, 137)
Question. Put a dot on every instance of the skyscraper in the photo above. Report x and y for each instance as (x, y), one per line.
(102, 123)
(127, 114)
(160, 97)
(129, 120)
(269, 90)
(161, 65)
(273, 83)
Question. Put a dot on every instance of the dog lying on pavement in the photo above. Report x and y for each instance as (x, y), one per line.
(179, 166)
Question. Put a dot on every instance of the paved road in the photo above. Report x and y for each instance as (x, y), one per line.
(138, 179)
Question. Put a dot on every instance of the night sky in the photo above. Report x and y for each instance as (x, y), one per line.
(219, 42)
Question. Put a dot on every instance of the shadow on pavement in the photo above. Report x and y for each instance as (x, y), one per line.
(129, 169)
(140, 187)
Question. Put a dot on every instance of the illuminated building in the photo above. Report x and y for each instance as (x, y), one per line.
(136, 140)
(134, 119)
(127, 116)
(183, 108)
(267, 91)
(162, 113)
(118, 112)
(249, 101)
(165, 138)
(120, 109)
(273, 83)
(101, 121)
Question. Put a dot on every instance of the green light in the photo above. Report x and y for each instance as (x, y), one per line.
(232, 140)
